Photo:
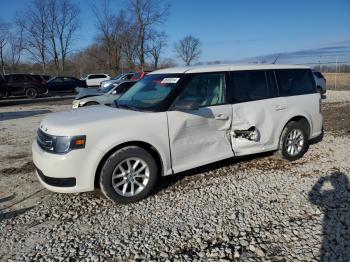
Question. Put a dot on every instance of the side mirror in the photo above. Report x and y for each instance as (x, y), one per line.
(185, 106)
(114, 92)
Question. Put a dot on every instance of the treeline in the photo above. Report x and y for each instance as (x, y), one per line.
(43, 35)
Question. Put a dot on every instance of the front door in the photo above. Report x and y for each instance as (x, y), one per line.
(201, 136)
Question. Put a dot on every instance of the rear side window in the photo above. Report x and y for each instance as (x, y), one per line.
(16, 78)
(293, 82)
(96, 76)
(318, 74)
(252, 85)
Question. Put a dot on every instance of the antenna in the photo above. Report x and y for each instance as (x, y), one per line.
(278, 56)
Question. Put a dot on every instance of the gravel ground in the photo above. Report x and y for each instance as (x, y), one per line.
(257, 208)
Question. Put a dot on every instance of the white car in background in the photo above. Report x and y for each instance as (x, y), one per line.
(102, 96)
(95, 79)
(321, 82)
(177, 119)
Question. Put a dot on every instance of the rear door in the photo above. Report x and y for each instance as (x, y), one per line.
(201, 136)
(257, 111)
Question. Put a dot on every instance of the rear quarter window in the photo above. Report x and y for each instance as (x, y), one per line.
(292, 82)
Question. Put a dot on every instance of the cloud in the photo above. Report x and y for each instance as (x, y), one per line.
(326, 54)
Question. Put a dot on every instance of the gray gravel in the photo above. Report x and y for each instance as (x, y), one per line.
(253, 209)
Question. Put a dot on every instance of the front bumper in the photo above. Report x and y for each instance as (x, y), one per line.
(66, 173)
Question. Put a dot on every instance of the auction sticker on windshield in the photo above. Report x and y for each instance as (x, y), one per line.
(170, 80)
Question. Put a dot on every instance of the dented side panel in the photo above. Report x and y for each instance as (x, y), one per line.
(199, 137)
(254, 125)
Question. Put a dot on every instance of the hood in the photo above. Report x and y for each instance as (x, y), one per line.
(86, 92)
(77, 121)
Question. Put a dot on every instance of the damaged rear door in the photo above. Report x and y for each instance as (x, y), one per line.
(256, 111)
(200, 136)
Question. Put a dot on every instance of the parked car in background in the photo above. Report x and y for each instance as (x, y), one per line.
(107, 95)
(64, 84)
(139, 75)
(3, 88)
(24, 84)
(39, 78)
(321, 82)
(118, 78)
(95, 79)
(177, 119)
(46, 77)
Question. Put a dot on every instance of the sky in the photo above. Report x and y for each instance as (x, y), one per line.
(245, 30)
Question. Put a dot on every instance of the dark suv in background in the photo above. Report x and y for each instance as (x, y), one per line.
(64, 84)
(22, 84)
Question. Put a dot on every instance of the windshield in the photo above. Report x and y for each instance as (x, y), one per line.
(149, 92)
(117, 77)
(106, 89)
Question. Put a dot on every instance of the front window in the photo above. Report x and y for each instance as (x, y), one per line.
(205, 89)
(149, 92)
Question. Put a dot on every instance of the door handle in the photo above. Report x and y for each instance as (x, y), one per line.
(221, 117)
(280, 107)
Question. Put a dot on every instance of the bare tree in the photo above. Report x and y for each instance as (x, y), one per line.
(4, 35)
(63, 22)
(67, 23)
(188, 49)
(111, 28)
(148, 14)
(156, 45)
(16, 44)
(130, 45)
(35, 24)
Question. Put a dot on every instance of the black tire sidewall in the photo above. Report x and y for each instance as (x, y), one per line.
(91, 104)
(35, 92)
(288, 128)
(109, 166)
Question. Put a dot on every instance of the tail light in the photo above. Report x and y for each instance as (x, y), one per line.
(320, 104)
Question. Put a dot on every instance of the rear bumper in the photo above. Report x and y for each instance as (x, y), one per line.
(317, 138)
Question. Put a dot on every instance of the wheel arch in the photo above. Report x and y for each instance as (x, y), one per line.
(144, 145)
(298, 118)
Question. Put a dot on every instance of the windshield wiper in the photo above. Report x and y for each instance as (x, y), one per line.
(127, 107)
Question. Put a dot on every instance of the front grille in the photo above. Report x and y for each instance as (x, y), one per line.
(45, 141)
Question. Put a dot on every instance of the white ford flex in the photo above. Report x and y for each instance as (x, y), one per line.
(177, 119)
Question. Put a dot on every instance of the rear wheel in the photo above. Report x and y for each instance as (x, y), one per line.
(128, 175)
(294, 141)
(31, 93)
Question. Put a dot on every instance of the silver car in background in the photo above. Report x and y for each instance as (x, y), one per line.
(118, 78)
(103, 96)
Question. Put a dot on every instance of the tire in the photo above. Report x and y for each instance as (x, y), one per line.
(31, 93)
(294, 141)
(118, 180)
(91, 104)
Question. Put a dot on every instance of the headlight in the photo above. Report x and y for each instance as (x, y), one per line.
(64, 144)
(75, 104)
(60, 144)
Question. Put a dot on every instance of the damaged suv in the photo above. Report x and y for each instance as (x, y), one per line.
(177, 119)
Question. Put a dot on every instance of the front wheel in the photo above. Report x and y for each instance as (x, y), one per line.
(294, 141)
(128, 175)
